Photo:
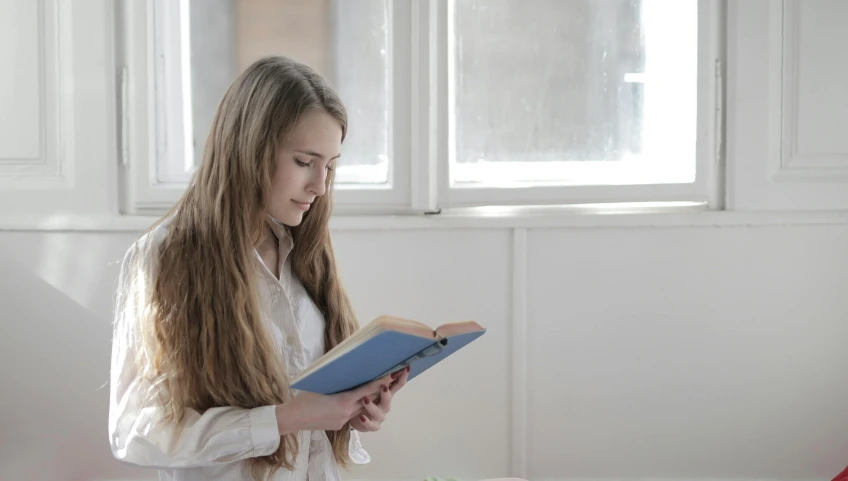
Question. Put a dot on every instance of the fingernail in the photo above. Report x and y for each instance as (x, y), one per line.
(385, 388)
(363, 418)
(396, 375)
(408, 368)
(366, 401)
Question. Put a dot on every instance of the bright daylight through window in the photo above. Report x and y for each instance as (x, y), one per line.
(346, 41)
(539, 94)
(573, 92)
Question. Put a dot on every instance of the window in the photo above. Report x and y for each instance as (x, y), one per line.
(451, 103)
(579, 101)
(347, 42)
(560, 100)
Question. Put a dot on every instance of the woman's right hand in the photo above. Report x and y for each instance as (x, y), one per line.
(310, 411)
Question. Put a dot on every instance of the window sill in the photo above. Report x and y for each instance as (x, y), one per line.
(587, 216)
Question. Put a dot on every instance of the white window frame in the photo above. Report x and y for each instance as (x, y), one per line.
(150, 126)
(419, 148)
(152, 123)
(705, 188)
(394, 195)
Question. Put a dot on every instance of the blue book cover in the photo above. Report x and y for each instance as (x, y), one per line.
(384, 346)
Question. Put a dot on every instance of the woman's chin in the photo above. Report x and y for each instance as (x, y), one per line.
(289, 217)
(293, 219)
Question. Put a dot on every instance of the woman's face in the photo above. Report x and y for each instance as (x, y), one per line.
(302, 166)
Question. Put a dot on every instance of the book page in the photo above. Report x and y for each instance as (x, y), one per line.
(455, 328)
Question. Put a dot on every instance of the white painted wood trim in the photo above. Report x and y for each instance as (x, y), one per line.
(518, 441)
(765, 171)
(792, 162)
(423, 117)
(52, 169)
(449, 220)
(712, 61)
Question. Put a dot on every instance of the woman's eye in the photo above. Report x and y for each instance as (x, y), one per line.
(302, 164)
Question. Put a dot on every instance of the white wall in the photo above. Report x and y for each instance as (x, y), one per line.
(679, 352)
(619, 347)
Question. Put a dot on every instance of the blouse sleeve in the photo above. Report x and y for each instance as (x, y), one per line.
(140, 433)
(357, 454)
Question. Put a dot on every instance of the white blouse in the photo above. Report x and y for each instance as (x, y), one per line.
(216, 445)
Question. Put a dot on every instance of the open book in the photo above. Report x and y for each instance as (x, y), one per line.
(383, 346)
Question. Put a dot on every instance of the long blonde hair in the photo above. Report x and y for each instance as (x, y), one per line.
(205, 344)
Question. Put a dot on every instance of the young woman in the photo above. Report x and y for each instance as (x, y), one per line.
(234, 292)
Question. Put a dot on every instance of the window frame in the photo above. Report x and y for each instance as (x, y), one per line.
(419, 140)
(394, 196)
(144, 132)
(705, 187)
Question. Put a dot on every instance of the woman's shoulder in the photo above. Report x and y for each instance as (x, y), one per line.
(139, 264)
(147, 245)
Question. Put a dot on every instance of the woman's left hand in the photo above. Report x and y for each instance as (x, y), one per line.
(374, 412)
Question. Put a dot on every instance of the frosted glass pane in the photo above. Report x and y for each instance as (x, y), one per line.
(539, 84)
(362, 76)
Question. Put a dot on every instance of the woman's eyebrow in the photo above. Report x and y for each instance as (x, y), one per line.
(315, 154)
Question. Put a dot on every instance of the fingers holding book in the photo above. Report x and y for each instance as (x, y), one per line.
(372, 417)
(399, 379)
(311, 411)
(373, 413)
(370, 390)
